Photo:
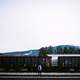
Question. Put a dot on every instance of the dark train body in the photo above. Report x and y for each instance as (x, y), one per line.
(50, 63)
(69, 63)
(25, 63)
(65, 62)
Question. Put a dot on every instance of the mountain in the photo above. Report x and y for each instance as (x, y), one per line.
(17, 53)
(69, 49)
(60, 49)
(68, 46)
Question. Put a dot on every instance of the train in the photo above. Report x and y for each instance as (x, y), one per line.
(49, 63)
(25, 63)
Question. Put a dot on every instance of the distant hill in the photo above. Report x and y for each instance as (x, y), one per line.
(35, 52)
(66, 49)
(17, 53)
(68, 46)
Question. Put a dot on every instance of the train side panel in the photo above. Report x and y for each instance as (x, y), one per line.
(24, 62)
(67, 63)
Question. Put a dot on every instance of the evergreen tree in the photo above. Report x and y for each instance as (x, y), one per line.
(43, 51)
(50, 50)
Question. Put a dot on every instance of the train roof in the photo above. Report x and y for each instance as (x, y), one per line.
(56, 55)
(25, 56)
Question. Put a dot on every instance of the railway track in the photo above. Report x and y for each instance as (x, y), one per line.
(39, 76)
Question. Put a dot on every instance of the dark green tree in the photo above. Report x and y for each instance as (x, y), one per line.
(50, 50)
(59, 50)
(66, 51)
(43, 51)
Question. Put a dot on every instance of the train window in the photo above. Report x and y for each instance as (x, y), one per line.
(19, 60)
(33, 60)
(69, 62)
(25, 65)
(66, 62)
(63, 64)
(30, 59)
(6, 61)
(26, 59)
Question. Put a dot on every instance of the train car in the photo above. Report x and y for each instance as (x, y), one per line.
(65, 62)
(25, 63)
(69, 63)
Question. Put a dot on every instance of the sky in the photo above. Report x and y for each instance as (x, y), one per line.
(32, 24)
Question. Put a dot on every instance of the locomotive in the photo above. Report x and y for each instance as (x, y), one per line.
(49, 63)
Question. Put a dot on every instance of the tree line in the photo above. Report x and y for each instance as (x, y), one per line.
(43, 51)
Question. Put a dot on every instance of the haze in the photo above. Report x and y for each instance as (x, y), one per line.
(32, 24)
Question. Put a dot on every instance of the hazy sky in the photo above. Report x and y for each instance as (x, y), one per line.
(31, 24)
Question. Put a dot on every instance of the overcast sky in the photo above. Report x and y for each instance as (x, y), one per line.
(31, 24)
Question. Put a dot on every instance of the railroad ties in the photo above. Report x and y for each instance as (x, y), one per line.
(39, 76)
